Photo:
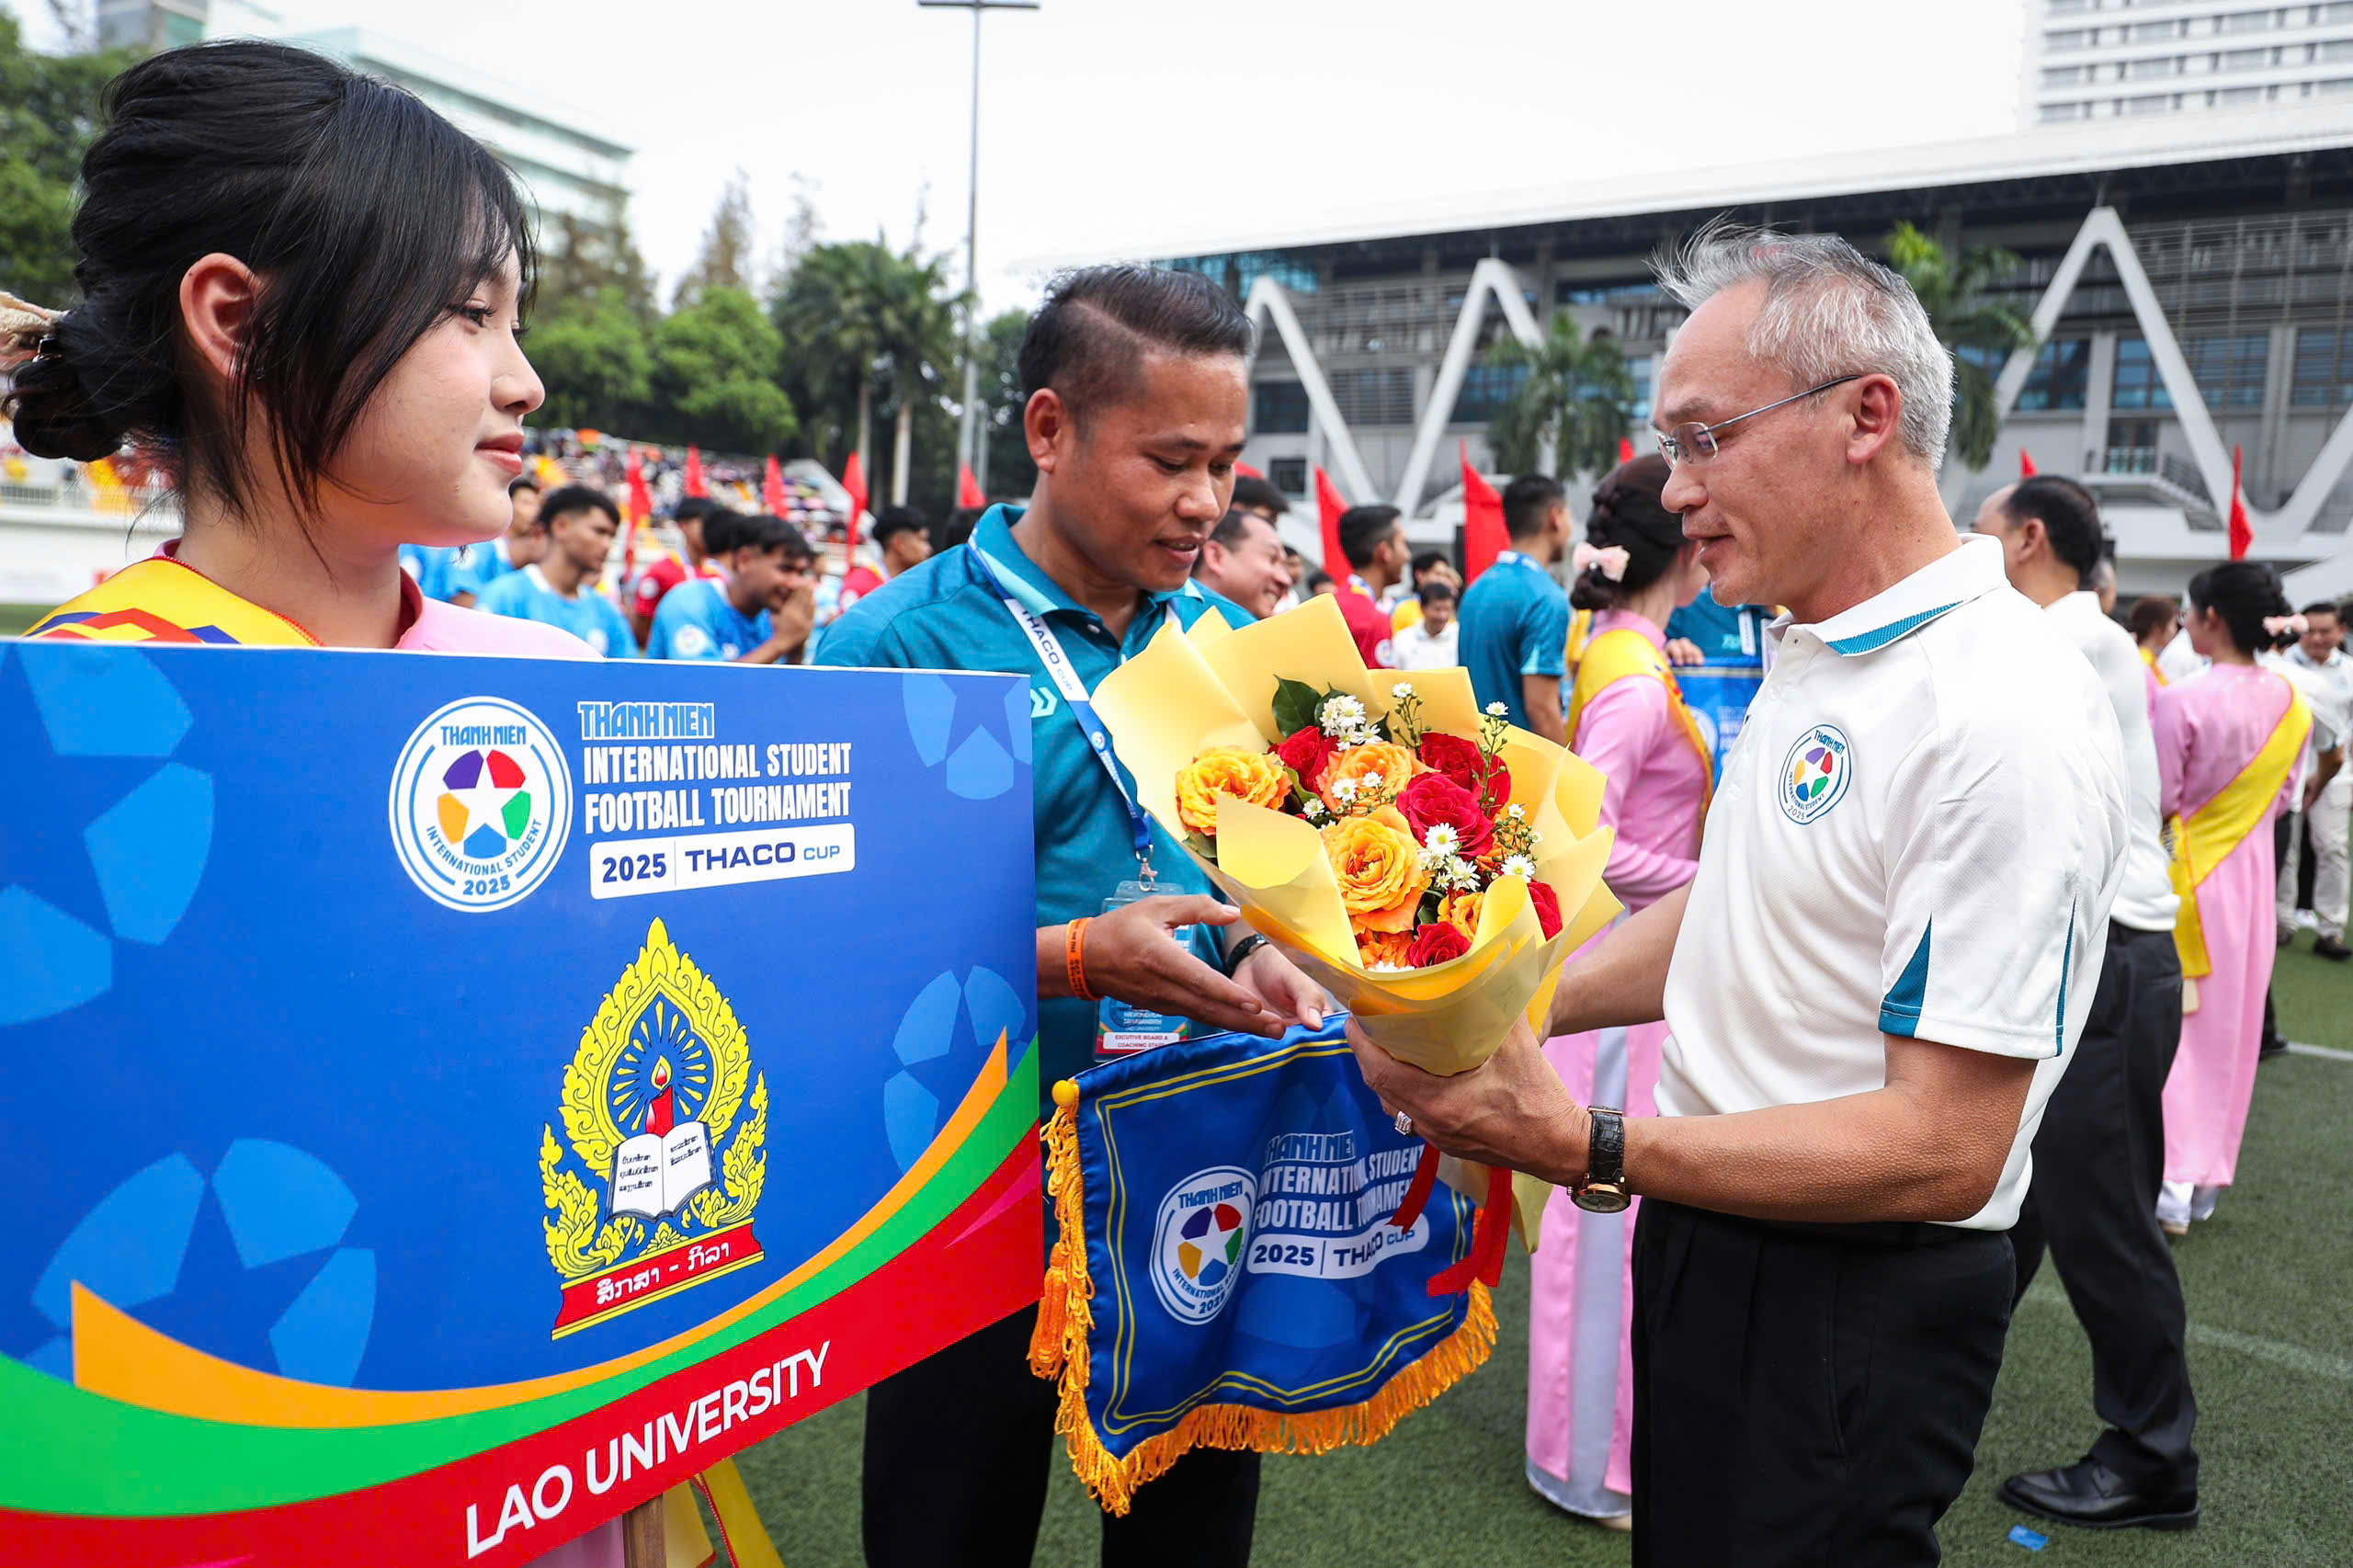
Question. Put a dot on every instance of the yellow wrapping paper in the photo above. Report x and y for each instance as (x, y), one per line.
(1215, 686)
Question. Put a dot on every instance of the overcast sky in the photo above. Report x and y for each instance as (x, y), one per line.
(1132, 127)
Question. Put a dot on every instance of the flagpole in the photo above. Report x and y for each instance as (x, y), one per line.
(968, 427)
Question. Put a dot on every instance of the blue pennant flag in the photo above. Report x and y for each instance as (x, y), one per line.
(1227, 1275)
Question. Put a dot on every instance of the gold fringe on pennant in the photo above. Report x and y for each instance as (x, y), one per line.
(1066, 1317)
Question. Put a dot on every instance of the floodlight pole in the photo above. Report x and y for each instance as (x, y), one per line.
(968, 428)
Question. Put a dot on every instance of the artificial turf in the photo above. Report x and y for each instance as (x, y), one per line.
(2269, 1282)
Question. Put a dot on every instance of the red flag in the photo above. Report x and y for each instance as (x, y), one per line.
(641, 507)
(1328, 502)
(1484, 537)
(2026, 465)
(1625, 449)
(854, 481)
(1246, 472)
(772, 488)
(694, 483)
(2241, 532)
(967, 489)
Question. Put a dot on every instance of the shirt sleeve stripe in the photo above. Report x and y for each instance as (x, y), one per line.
(1899, 1013)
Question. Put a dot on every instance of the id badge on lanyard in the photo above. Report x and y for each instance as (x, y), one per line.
(1120, 1029)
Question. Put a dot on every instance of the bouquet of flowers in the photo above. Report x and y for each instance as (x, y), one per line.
(1427, 863)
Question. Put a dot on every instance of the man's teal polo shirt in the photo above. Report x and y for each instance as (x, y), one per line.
(1514, 623)
(1724, 635)
(943, 615)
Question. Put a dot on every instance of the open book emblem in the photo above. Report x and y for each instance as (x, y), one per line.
(652, 1189)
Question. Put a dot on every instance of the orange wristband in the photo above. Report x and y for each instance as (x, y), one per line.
(1075, 959)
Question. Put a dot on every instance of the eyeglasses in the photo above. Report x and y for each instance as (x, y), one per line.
(1695, 443)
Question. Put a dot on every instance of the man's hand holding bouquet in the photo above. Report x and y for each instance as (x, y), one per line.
(1428, 864)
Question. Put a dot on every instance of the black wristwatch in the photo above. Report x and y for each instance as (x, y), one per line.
(1239, 954)
(1603, 1191)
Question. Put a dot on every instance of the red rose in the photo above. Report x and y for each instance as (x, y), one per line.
(1458, 759)
(1433, 800)
(1435, 944)
(1548, 907)
(1305, 752)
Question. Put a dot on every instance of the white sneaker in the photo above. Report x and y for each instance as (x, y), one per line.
(2173, 1208)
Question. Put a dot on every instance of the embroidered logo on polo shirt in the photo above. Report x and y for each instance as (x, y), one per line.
(1814, 774)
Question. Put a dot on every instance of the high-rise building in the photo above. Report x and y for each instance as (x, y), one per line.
(151, 24)
(2106, 59)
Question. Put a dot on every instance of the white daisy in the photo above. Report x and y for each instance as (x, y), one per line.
(1314, 810)
(1342, 715)
(1441, 839)
(1498, 710)
(1519, 865)
(1517, 813)
(1402, 690)
(1344, 791)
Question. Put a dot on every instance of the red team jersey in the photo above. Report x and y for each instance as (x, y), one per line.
(858, 582)
(646, 595)
(1367, 624)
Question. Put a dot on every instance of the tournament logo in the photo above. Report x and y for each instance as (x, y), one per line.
(481, 804)
(1815, 773)
(1198, 1240)
(657, 1191)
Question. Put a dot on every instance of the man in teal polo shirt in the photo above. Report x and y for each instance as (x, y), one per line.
(1137, 402)
(1515, 636)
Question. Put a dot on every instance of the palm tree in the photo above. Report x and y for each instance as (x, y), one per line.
(1575, 403)
(1981, 332)
(858, 315)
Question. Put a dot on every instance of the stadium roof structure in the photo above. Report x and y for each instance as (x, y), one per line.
(2070, 168)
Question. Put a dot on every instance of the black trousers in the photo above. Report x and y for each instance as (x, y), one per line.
(2098, 1160)
(1807, 1394)
(2271, 1038)
(957, 1452)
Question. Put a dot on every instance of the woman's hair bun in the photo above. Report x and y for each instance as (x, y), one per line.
(51, 404)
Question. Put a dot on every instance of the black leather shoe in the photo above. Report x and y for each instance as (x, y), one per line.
(2332, 947)
(2090, 1494)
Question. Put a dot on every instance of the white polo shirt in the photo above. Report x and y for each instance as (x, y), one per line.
(2146, 901)
(1919, 831)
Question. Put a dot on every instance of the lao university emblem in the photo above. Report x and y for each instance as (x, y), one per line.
(652, 1189)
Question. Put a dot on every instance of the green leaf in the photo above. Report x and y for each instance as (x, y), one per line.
(1295, 705)
(1204, 847)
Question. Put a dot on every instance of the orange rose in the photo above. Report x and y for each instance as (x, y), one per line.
(1226, 770)
(1461, 911)
(1383, 946)
(1392, 766)
(1380, 873)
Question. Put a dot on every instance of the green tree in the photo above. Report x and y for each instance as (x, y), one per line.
(580, 260)
(1010, 469)
(725, 260)
(713, 377)
(48, 116)
(1980, 331)
(1577, 400)
(858, 319)
(596, 358)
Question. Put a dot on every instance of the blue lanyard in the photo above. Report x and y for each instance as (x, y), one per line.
(1065, 678)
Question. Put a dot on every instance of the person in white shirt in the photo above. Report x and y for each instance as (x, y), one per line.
(1882, 969)
(1429, 642)
(2099, 1159)
(2326, 803)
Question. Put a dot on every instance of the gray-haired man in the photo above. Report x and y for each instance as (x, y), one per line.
(1879, 973)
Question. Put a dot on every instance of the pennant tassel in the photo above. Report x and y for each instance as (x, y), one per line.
(1066, 1318)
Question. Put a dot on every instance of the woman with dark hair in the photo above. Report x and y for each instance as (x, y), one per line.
(1626, 718)
(2229, 740)
(2153, 619)
(303, 295)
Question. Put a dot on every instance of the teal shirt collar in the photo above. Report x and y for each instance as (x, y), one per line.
(1041, 595)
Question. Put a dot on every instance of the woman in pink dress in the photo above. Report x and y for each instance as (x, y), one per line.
(1626, 717)
(303, 292)
(2229, 739)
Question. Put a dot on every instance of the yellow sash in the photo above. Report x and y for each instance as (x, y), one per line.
(1622, 651)
(2205, 838)
(1580, 634)
(2149, 658)
(159, 600)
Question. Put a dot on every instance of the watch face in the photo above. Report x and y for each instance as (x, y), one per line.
(1600, 1199)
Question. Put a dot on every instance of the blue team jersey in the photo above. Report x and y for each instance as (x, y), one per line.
(1514, 623)
(588, 615)
(695, 620)
(480, 565)
(435, 567)
(943, 615)
(1723, 636)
